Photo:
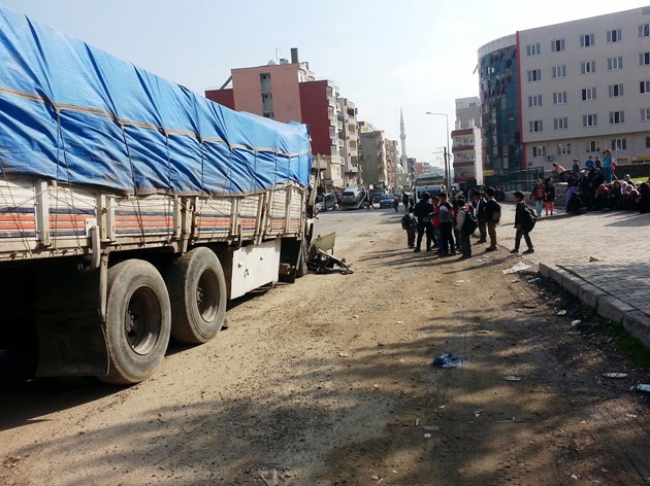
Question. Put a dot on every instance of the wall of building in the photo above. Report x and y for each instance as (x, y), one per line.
(500, 107)
(284, 89)
(554, 131)
(225, 97)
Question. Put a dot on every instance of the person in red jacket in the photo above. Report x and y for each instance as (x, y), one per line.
(538, 194)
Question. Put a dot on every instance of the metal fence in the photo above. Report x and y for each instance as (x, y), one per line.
(522, 180)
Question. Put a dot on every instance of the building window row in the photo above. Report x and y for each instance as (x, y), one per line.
(588, 67)
(591, 147)
(587, 40)
(615, 118)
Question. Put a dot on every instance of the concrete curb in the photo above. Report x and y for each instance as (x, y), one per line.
(634, 321)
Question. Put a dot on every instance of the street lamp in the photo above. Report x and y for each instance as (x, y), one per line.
(447, 153)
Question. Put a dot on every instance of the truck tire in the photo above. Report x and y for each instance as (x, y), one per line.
(138, 322)
(197, 292)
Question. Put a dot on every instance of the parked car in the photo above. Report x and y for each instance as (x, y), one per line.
(328, 202)
(386, 201)
(353, 198)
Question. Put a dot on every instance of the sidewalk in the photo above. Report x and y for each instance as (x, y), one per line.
(601, 257)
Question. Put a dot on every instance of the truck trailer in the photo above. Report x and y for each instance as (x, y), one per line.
(131, 209)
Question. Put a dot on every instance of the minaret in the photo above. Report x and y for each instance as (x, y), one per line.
(402, 137)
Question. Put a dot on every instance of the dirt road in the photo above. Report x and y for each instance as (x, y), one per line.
(329, 382)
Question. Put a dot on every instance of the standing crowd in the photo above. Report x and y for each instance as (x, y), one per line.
(446, 226)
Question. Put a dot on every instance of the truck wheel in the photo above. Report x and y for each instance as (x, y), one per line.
(197, 292)
(138, 321)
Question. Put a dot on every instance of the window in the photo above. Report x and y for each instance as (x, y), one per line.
(644, 30)
(587, 40)
(557, 45)
(560, 123)
(619, 144)
(593, 146)
(559, 98)
(588, 94)
(535, 126)
(564, 149)
(647, 142)
(533, 50)
(534, 75)
(644, 86)
(614, 35)
(539, 151)
(645, 114)
(616, 117)
(559, 71)
(534, 101)
(614, 63)
(644, 58)
(615, 90)
(588, 67)
(589, 120)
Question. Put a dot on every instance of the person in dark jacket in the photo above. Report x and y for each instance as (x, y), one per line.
(422, 210)
(492, 215)
(479, 203)
(549, 189)
(522, 224)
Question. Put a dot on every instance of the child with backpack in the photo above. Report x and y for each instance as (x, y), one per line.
(466, 224)
(410, 224)
(525, 218)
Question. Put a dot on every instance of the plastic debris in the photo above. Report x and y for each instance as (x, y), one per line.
(355, 316)
(615, 375)
(643, 388)
(431, 428)
(343, 354)
(533, 280)
(399, 322)
(519, 267)
(448, 360)
(530, 305)
(478, 412)
(561, 313)
(427, 436)
(512, 378)
(575, 323)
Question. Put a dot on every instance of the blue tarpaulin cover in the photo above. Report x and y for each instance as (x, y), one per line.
(76, 114)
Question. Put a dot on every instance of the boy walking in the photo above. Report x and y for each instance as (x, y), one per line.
(523, 223)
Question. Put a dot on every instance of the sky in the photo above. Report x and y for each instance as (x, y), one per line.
(385, 55)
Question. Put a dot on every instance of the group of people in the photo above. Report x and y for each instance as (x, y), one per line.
(446, 226)
(590, 192)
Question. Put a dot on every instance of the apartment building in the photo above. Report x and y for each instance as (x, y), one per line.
(467, 145)
(373, 156)
(349, 142)
(567, 91)
(288, 91)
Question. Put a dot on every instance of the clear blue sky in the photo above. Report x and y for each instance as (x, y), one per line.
(383, 54)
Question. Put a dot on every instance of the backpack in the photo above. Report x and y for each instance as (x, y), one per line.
(530, 218)
(405, 222)
(496, 214)
(408, 221)
(470, 223)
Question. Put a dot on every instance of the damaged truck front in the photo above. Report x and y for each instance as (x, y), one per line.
(131, 209)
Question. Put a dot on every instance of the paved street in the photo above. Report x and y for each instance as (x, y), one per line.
(601, 257)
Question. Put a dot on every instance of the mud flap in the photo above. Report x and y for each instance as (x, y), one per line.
(70, 333)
